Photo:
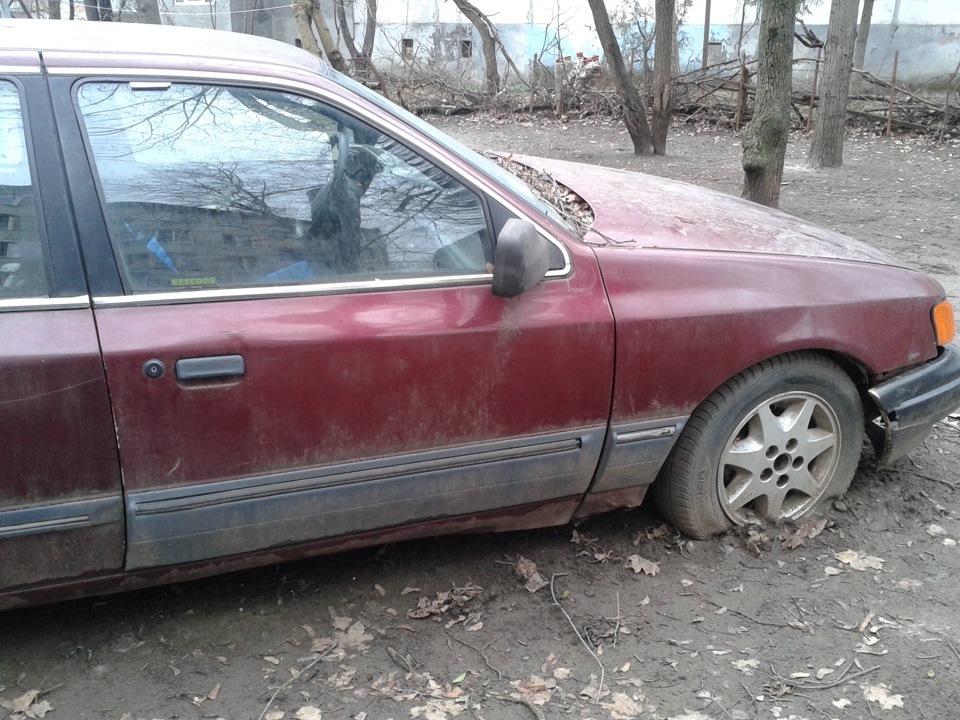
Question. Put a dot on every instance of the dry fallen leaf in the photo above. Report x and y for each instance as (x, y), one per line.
(807, 531)
(355, 637)
(882, 696)
(438, 709)
(747, 667)
(536, 689)
(26, 706)
(21, 703)
(308, 712)
(623, 707)
(271, 659)
(527, 573)
(641, 565)
(344, 677)
(860, 561)
(339, 622)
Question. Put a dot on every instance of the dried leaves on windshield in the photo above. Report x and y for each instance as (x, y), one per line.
(566, 201)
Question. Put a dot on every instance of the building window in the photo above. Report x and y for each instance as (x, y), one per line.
(230, 240)
(406, 47)
(466, 48)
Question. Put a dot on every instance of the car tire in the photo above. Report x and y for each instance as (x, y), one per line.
(766, 446)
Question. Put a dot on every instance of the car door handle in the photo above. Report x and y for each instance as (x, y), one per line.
(210, 368)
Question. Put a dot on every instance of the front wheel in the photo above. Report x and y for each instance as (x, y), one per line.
(766, 446)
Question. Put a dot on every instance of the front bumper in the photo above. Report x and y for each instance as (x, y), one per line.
(912, 403)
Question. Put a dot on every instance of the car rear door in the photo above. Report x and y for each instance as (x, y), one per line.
(300, 338)
(61, 512)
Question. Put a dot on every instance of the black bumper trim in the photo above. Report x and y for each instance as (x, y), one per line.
(912, 403)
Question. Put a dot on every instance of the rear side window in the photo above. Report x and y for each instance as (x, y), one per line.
(22, 267)
(210, 186)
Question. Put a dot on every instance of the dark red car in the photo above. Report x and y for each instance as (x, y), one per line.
(251, 311)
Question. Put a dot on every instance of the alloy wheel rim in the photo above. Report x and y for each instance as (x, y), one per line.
(780, 459)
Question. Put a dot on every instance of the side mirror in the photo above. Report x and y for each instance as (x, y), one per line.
(521, 260)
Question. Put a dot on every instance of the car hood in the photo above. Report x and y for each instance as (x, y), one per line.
(636, 210)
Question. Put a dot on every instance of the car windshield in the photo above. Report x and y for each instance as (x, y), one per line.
(501, 176)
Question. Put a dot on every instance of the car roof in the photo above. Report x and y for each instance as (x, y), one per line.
(150, 45)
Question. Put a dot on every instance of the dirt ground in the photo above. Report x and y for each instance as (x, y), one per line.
(858, 621)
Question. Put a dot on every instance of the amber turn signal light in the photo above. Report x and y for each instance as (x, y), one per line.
(943, 322)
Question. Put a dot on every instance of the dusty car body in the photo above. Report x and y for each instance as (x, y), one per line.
(251, 311)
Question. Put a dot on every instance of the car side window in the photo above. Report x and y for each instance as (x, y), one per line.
(22, 266)
(224, 187)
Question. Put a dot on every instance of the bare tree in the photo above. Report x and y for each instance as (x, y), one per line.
(634, 115)
(362, 57)
(488, 42)
(860, 48)
(765, 138)
(53, 9)
(826, 150)
(309, 16)
(665, 50)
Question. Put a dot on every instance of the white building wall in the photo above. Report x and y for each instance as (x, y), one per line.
(925, 32)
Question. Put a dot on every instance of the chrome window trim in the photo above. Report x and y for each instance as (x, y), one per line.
(77, 302)
(400, 130)
(282, 291)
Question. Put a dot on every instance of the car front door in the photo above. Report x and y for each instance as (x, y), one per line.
(61, 510)
(303, 344)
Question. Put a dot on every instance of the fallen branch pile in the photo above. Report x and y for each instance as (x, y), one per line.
(722, 93)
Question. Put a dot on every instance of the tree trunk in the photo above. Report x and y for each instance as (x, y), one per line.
(307, 17)
(370, 30)
(303, 16)
(148, 11)
(634, 115)
(53, 9)
(664, 42)
(765, 138)
(826, 150)
(860, 48)
(98, 10)
(340, 9)
(488, 42)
